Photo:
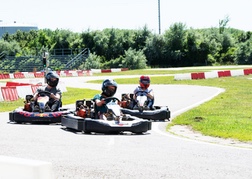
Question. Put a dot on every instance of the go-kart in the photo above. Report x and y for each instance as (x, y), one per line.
(139, 107)
(86, 119)
(42, 114)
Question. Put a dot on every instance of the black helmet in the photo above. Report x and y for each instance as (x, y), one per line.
(105, 90)
(49, 76)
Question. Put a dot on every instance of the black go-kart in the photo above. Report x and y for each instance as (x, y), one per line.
(86, 119)
(42, 114)
(139, 108)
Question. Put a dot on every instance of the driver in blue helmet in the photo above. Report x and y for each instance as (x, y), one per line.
(54, 102)
(109, 87)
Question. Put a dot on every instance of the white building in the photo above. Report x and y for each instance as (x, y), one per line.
(13, 27)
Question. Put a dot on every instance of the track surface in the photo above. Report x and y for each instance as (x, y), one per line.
(157, 154)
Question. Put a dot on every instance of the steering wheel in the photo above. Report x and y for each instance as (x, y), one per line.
(108, 99)
(44, 93)
(142, 93)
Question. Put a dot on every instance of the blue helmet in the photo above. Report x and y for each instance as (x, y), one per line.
(105, 87)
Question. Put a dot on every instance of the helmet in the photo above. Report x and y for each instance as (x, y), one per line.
(50, 82)
(144, 81)
(105, 87)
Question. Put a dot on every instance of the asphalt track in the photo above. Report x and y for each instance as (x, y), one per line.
(157, 154)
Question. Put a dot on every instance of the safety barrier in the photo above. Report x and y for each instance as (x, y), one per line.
(4, 76)
(29, 74)
(34, 88)
(19, 75)
(22, 91)
(237, 72)
(12, 167)
(106, 71)
(9, 93)
(65, 73)
(1, 96)
(11, 83)
(14, 90)
(39, 75)
(213, 74)
(247, 71)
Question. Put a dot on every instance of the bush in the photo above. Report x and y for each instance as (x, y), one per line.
(134, 59)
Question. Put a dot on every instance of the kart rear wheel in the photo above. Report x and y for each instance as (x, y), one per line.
(86, 132)
(139, 133)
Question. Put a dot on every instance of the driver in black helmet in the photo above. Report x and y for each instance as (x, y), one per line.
(109, 87)
(54, 102)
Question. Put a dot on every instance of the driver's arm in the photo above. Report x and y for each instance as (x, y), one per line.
(150, 94)
(99, 102)
(55, 96)
(35, 95)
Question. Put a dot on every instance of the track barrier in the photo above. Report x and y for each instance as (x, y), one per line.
(39, 75)
(9, 93)
(212, 74)
(19, 75)
(1, 96)
(22, 91)
(18, 168)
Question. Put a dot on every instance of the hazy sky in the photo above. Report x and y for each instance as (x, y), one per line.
(80, 15)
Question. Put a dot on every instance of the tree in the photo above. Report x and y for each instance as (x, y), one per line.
(134, 59)
(175, 44)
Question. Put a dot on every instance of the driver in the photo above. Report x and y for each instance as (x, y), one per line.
(109, 87)
(54, 102)
(144, 83)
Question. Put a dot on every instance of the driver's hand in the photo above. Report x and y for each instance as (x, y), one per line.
(103, 101)
(52, 96)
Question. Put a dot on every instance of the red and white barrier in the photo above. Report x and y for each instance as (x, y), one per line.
(9, 93)
(28, 74)
(34, 88)
(108, 70)
(212, 74)
(14, 90)
(1, 96)
(22, 91)
(66, 73)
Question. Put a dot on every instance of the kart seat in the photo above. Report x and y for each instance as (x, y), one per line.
(89, 103)
(28, 98)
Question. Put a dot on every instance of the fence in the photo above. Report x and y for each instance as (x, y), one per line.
(58, 60)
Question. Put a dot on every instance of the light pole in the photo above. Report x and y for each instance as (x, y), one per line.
(45, 58)
(159, 21)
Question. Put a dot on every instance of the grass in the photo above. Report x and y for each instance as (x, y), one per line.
(228, 115)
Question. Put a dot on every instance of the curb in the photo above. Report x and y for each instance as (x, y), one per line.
(213, 74)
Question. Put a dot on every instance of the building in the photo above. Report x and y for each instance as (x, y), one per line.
(11, 28)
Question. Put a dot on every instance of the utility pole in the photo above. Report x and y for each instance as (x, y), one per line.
(159, 21)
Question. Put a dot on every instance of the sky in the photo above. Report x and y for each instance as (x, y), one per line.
(81, 15)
